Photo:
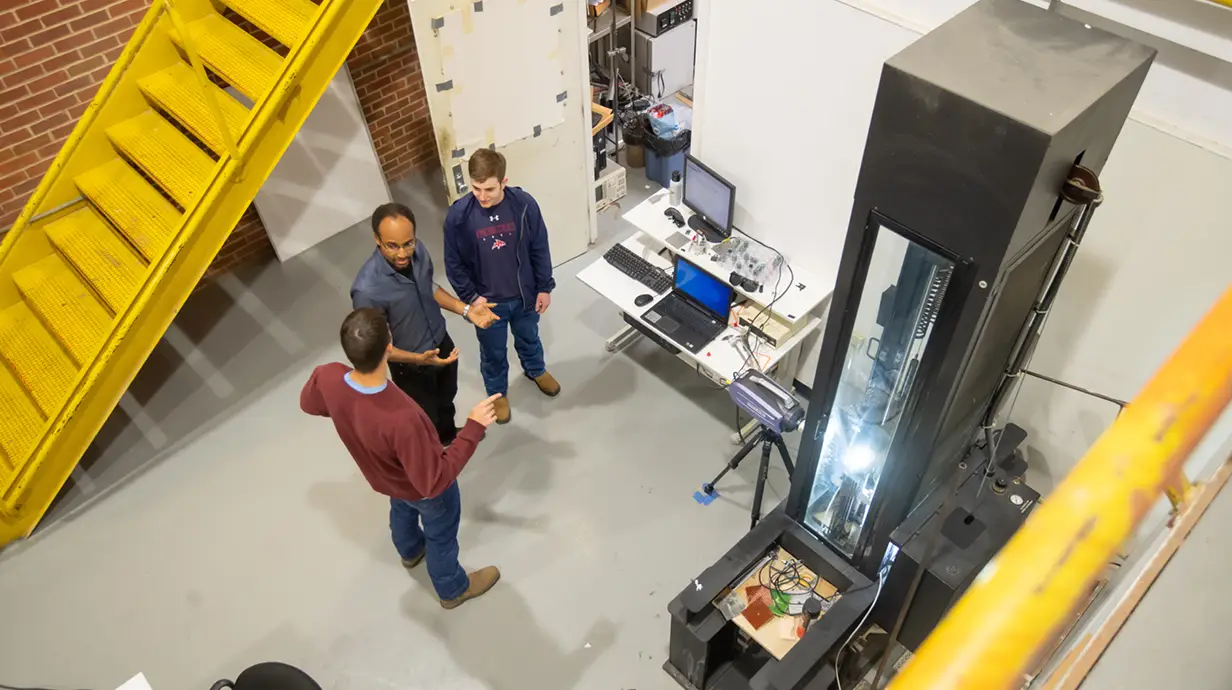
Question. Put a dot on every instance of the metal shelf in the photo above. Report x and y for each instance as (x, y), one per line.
(604, 23)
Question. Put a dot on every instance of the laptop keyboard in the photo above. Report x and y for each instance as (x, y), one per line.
(690, 317)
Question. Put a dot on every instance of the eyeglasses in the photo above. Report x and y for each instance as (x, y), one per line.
(394, 247)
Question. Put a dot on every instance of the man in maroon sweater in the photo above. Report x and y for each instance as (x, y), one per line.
(398, 451)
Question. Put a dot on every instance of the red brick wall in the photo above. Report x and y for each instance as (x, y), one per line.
(55, 53)
(385, 68)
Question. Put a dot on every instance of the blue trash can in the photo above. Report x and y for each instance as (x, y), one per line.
(665, 156)
(660, 168)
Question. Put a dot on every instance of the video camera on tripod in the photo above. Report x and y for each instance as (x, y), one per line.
(770, 403)
(778, 412)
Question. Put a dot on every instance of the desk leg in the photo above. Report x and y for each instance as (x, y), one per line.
(785, 372)
(623, 337)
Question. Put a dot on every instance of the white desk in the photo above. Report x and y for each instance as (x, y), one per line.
(796, 302)
(725, 358)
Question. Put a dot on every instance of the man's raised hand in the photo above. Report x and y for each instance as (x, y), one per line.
(485, 412)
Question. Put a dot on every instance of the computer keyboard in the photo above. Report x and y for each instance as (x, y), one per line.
(638, 268)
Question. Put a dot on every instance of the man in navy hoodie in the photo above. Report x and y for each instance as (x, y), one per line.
(496, 249)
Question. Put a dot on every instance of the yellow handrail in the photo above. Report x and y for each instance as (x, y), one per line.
(1025, 595)
(211, 98)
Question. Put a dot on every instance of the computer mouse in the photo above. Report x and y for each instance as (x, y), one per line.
(676, 216)
(643, 300)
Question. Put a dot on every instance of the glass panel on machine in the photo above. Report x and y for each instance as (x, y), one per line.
(893, 323)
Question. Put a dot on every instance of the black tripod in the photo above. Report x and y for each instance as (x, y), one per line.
(767, 437)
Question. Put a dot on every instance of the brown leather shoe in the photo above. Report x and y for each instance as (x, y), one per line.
(409, 563)
(502, 409)
(481, 581)
(547, 384)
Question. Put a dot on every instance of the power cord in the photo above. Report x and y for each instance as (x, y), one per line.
(791, 580)
(838, 656)
(707, 379)
(775, 296)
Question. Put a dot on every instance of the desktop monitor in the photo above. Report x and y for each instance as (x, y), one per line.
(707, 291)
(711, 198)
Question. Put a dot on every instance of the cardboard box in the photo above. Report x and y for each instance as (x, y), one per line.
(639, 6)
(596, 10)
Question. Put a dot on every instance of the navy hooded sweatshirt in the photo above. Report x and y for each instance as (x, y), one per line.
(471, 229)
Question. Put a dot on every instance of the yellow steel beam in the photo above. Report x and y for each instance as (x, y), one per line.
(1025, 595)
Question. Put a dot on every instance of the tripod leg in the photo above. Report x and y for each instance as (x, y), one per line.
(786, 456)
(732, 464)
(763, 470)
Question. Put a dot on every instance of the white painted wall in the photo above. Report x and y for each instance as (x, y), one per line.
(1153, 262)
(783, 114)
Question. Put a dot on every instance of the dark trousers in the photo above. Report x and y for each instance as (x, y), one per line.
(439, 517)
(434, 388)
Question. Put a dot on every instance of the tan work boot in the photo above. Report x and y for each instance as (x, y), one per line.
(481, 581)
(409, 563)
(547, 384)
(502, 409)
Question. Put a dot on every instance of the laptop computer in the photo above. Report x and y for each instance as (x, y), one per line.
(695, 312)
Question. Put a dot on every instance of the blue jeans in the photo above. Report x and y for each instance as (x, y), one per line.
(494, 345)
(440, 517)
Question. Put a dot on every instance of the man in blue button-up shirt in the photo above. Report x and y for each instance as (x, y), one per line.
(398, 280)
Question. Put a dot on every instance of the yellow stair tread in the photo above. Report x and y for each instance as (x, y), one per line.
(165, 154)
(100, 255)
(285, 20)
(20, 425)
(133, 205)
(42, 367)
(177, 91)
(237, 57)
(66, 306)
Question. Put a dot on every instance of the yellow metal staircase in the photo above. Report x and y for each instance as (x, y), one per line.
(135, 207)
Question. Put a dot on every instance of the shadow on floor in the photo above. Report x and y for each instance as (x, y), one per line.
(235, 337)
(480, 640)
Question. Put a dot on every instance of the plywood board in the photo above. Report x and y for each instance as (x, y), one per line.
(777, 634)
(552, 160)
(503, 66)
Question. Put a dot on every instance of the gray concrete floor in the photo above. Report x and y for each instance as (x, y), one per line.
(213, 526)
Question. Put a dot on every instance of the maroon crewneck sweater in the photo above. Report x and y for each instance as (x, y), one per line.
(389, 435)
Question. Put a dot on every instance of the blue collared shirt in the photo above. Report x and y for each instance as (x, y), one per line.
(415, 319)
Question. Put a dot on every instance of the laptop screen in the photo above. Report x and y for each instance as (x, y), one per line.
(707, 290)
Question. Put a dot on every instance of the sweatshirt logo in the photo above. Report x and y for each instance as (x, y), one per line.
(498, 243)
(494, 218)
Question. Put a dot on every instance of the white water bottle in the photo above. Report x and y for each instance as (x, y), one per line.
(676, 189)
